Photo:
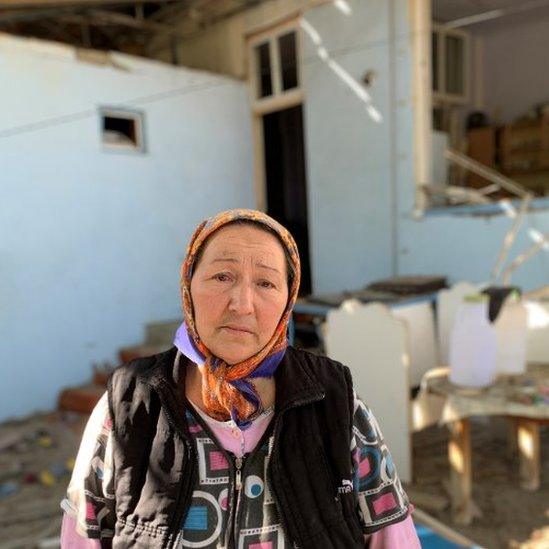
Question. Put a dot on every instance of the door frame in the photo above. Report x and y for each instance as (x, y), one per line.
(278, 101)
(422, 98)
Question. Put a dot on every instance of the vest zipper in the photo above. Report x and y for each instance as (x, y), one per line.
(230, 526)
(238, 477)
(237, 468)
(235, 501)
(230, 534)
(239, 463)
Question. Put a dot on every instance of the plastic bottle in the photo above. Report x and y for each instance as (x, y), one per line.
(473, 344)
(511, 328)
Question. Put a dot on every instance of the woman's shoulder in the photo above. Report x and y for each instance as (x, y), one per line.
(333, 376)
(132, 397)
(144, 367)
(317, 361)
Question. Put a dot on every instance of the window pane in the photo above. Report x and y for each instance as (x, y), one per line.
(288, 60)
(434, 59)
(438, 119)
(454, 65)
(264, 83)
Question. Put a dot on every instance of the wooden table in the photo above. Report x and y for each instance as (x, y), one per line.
(528, 443)
(501, 399)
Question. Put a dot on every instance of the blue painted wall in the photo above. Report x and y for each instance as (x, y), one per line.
(348, 154)
(91, 241)
(467, 248)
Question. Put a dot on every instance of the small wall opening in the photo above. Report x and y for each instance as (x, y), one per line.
(122, 130)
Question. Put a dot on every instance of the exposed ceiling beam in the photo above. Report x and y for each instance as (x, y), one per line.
(187, 18)
(97, 18)
(29, 4)
(92, 16)
(495, 14)
(191, 8)
(203, 13)
(169, 10)
(188, 30)
(57, 30)
(23, 16)
(85, 34)
(189, 27)
(102, 17)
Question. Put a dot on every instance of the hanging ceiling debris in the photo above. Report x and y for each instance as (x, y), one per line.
(121, 25)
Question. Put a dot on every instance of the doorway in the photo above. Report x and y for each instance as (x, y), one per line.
(285, 180)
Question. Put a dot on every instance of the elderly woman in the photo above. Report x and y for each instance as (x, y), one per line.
(232, 438)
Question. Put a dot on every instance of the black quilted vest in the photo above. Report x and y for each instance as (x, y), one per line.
(155, 462)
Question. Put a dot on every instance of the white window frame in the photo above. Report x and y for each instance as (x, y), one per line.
(422, 100)
(425, 98)
(441, 95)
(279, 99)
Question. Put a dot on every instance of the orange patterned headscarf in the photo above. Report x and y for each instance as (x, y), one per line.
(228, 390)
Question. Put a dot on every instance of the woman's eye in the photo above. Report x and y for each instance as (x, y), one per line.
(266, 284)
(222, 277)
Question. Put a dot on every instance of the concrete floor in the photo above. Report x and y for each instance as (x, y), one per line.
(512, 517)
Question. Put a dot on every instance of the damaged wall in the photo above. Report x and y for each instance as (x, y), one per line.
(361, 172)
(222, 46)
(514, 53)
(92, 240)
(460, 247)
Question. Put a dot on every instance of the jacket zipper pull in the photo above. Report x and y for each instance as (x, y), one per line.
(238, 480)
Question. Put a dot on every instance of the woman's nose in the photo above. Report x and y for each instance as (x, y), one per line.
(242, 299)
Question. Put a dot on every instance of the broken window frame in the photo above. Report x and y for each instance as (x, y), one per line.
(423, 102)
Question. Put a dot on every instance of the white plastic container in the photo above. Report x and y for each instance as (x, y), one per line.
(511, 328)
(473, 345)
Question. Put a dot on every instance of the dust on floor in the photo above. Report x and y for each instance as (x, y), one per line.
(511, 517)
(36, 468)
(36, 460)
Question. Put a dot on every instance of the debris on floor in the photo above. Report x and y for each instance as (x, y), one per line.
(37, 456)
(36, 460)
(512, 518)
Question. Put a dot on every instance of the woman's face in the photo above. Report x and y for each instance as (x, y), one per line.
(239, 291)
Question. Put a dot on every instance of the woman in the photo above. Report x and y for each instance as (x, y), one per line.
(232, 438)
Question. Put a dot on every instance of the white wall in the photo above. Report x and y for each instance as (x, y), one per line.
(91, 241)
(350, 155)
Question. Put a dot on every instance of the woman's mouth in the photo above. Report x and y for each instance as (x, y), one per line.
(237, 329)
